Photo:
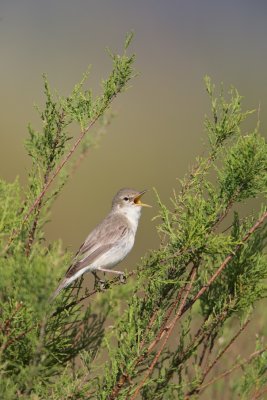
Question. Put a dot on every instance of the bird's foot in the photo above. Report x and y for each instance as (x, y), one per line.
(122, 278)
(100, 284)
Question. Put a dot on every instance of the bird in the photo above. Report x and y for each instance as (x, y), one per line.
(111, 240)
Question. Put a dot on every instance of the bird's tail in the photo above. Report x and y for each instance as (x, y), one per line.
(63, 284)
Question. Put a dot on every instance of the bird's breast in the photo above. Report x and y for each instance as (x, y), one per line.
(118, 252)
(127, 243)
(133, 217)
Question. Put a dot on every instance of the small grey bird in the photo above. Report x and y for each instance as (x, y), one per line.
(111, 240)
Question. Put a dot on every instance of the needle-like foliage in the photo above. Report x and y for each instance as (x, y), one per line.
(167, 333)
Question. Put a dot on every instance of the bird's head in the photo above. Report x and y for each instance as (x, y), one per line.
(129, 199)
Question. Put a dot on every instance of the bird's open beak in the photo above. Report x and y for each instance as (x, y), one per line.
(137, 200)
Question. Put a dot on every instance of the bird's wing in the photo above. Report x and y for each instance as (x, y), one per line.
(100, 240)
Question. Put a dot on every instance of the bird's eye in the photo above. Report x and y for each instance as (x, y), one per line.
(126, 198)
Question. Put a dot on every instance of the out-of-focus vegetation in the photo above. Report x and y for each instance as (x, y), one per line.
(168, 332)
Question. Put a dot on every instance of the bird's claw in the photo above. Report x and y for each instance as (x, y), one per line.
(100, 284)
(122, 278)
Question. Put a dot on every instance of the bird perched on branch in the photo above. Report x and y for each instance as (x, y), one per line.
(110, 242)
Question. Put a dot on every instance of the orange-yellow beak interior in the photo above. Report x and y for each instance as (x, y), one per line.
(137, 200)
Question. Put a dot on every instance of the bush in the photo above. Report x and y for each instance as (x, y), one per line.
(198, 291)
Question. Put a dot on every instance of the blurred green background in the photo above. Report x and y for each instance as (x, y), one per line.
(158, 129)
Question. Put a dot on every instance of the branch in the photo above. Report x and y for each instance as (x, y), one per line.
(211, 365)
(226, 261)
(114, 282)
(258, 394)
(6, 344)
(124, 377)
(198, 339)
(6, 329)
(197, 168)
(46, 178)
(165, 328)
(224, 214)
(39, 198)
(48, 183)
(84, 153)
(169, 330)
(208, 369)
(229, 371)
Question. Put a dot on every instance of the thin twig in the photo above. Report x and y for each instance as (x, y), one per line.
(7, 332)
(226, 261)
(8, 321)
(149, 326)
(221, 353)
(229, 371)
(195, 342)
(224, 214)
(208, 369)
(196, 169)
(165, 328)
(114, 282)
(46, 178)
(205, 347)
(15, 339)
(35, 222)
(84, 153)
(259, 393)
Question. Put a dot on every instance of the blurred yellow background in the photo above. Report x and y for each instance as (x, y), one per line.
(158, 129)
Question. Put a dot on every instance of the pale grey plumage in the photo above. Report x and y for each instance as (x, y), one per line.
(111, 240)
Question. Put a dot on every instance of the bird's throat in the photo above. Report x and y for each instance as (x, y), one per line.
(132, 214)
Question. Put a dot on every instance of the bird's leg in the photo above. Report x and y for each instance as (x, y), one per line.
(120, 273)
(96, 279)
(98, 282)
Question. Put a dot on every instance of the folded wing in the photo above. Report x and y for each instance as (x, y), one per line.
(106, 235)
